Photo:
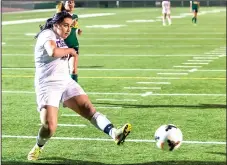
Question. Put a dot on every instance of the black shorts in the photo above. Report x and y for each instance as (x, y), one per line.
(195, 10)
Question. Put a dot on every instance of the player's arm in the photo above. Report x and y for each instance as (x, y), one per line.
(54, 51)
(190, 6)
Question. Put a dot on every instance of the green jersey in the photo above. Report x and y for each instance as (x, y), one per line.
(72, 41)
(195, 5)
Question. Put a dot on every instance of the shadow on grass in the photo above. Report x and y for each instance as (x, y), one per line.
(63, 161)
(199, 106)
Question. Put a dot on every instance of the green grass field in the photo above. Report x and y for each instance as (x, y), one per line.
(143, 67)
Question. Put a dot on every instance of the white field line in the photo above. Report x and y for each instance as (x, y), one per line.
(44, 19)
(68, 115)
(71, 125)
(127, 45)
(128, 94)
(108, 107)
(142, 87)
(128, 38)
(193, 70)
(101, 139)
(206, 33)
(153, 82)
(135, 69)
(3, 43)
(179, 66)
(187, 63)
(208, 58)
(127, 55)
(146, 94)
(172, 73)
(30, 11)
(200, 60)
(118, 100)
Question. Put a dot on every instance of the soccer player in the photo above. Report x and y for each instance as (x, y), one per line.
(194, 7)
(54, 86)
(72, 41)
(166, 12)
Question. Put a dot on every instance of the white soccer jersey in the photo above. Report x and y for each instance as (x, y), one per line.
(166, 7)
(49, 69)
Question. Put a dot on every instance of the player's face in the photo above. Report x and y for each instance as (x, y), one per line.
(64, 28)
(69, 5)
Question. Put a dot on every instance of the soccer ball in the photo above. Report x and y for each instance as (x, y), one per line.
(168, 137)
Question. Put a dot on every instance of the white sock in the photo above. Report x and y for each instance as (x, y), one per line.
(102, 123)
(169, 20)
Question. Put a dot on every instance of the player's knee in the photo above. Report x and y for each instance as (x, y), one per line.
(52, 126)
(89, 109)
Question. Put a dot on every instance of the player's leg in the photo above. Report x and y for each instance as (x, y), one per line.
(48, 104)
(164, 19)
(48, 117)
(169, 18)
(195, 16)
(76, 99)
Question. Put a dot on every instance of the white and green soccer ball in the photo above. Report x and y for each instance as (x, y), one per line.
(168, 137)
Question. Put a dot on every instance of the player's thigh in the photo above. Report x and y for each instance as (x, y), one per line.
(76, 99)
(81, 105)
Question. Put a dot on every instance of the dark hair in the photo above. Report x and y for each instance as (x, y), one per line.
(56, 19)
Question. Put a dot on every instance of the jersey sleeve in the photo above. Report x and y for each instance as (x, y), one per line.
(47, 35)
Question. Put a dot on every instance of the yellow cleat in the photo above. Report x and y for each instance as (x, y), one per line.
(122, 133)
(35, 152)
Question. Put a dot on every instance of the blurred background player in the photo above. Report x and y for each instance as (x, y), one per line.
(72, 40)
(194, 7)
(166, 12)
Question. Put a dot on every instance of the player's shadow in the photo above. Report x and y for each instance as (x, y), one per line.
(64, 161)
(199, 106)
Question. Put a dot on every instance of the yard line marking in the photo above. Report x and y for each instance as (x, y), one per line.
(172, 73)
(146, 94)
(208, 58)
(142, 87)
(102, 139)
(44, 19)
(187, 66)
(199, 60)
(3, 43)
(128, 45)
(70, 125)
(67, 115)
(187, 63)
(116, 100)
(127, 94)
(115, 38)
(126, 55)
(148, 78)
(193, 70)
(153, 82)
(124, 69)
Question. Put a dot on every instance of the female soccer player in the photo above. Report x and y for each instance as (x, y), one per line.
(72, 41)
(194, 7)
(54, 86)
(166, 12)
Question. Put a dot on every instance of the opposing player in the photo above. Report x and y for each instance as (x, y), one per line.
(54, 86)
(194, 7)
(72, 40)
(166, 12)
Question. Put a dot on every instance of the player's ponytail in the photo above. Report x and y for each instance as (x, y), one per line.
(60, 6)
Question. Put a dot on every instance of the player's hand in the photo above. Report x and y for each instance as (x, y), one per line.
(79, 31)
(73, 52)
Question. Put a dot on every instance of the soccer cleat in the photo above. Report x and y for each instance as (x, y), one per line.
(35, 152)
(122, 133)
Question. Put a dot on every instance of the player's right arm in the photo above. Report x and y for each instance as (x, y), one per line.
(190, 6)
(54, 51)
